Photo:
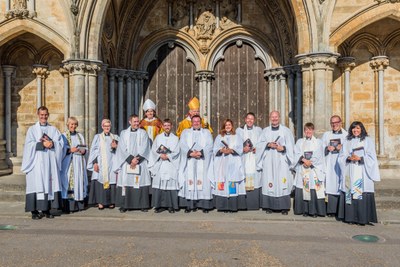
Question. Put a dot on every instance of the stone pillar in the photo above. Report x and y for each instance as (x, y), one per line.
(204, 78)
(5, 145)
(347, 64)
(379, 64)
(77, 71)
(129, 93)
(65, 73)
(41, 72)
(140, 76)
(317, 88)
(100, 95)
(282, 95)
(111, 97)
(120, 77)
(270, 75)
(299, 103)
(291, 73)
(92, 116)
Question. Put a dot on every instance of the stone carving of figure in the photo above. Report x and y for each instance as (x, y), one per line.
(228, 13)
(19, 4)
(205, 25)
(180, 11)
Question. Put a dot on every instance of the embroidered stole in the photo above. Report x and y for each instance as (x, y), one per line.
(249, 159)
(104, 160)
(224, 166)
(353, 177)
(71, 183)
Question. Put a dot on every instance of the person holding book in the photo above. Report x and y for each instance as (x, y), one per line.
(74, 178)
(332, 142)
(131, 162)
(360, 168)
(228, 179)
(41, 162)
(164, 167)
(102, 153)
(151, 123)
(250, 133)
(309, 198)
(196, 168)
(274, 158)
(194, 110)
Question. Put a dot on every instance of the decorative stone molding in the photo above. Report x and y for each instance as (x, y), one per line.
(272, 74)
(19, 9)
(347, 63)
(387, 1)
(82, 66)
(204, 76)
(41, 71)
(379, 63)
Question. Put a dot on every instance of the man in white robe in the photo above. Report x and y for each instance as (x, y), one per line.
(274, 158)
(42, 164)
(104, 179)
(131, 162)
(164, 167)
(250, 134)
(332, 142)
(74, 180)
(196, 167)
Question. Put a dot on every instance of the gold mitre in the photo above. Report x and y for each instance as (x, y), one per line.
(194, 103)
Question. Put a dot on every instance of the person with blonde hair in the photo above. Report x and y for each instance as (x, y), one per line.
(100, 161)
(74, 178)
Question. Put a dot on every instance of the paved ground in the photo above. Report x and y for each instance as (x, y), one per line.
(108, 238)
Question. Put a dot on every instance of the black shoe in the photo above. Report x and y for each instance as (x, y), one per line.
(158, 210)
(268, 211)
(284, 212)
(205, 211)
(144, 210)
(187, 210)
(171, 210)
(315, 216)
(305, 215)
(122, 210)
(36, 216)
(330, 215)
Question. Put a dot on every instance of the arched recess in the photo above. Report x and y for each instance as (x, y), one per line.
(304, 26)
(171, 80)
(14, 28)
(239, 86)
(361, 20)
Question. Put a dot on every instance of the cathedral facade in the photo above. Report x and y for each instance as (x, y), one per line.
(308, 59)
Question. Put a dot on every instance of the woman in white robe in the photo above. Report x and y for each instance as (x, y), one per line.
(74, 178)
(309, 197)
(359, 165)
(229, 189)
(103, 183)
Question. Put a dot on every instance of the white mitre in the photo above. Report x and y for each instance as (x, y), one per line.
(148, 104)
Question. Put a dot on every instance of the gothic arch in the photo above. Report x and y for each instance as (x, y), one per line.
(304, 26)
(218, 53)
(46, 53)
(12, 51)
(391, 41)
(371, 14)
(149, 47)
(373, 44)
(14, 28)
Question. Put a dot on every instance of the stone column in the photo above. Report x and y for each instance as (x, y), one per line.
(100, 95)
(129, 93)
(120, 77)
(204, 78)
(140, 76)
(5, 145)
(92, 117)
(290, 72)
(77, 108)
(282, 94)
(41, 72)
(111, 97)
(347, 64)
(270, 75)
(317, 91)
(379, 64)
(65, 73)
(299, 103)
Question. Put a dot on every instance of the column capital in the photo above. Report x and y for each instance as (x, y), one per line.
(64, 72)
(318, 60)
(275, 73)
(8, 70)
(81, 67)
(112, 72)
(205, 76)
(379, 63)
(347, 63)
(41, 71)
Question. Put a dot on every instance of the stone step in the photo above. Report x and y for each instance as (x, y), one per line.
(12, 196)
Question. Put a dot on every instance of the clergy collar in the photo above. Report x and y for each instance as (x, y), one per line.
(150, 119)
(249, 128)
(72, 133)
(308, 138)
(196, 129)
(337, 132)
(166, 134)
(273, 128)
(107, 134)
(228, 133)
(43, 125)
(134, 130)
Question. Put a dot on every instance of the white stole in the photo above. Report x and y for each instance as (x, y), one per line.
(191, 165)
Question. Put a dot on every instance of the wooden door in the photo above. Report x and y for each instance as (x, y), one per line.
(171, 83)
(239, 87)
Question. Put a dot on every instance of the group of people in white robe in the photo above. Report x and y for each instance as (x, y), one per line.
(242, 169)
